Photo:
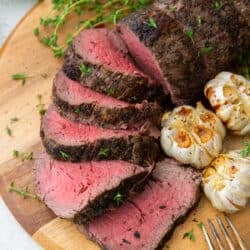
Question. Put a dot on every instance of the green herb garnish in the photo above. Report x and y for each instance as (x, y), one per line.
(199, 20)
(64, 155)
(23, 156)
(189, 235)
(190, 33)
(110, 91)
(8, 131)
(36, 32)
(173, 8)
(246, 151)
(206, 50)
(104, 152)
(218, 5)
(152, 23)
(19, 77)
(118, 198)
(77, 110)
(25, 193)
(40, 105)
(14, 119)
(104, 12)
(44, 75)
(85, 70)
(199, 225)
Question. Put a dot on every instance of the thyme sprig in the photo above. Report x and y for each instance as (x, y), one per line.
(246, 151)
(25, 193)
(118, 198)
(104, 12)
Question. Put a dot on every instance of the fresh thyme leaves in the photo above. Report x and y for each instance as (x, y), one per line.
(104, 152)
(85, 70)
(173, 8)
(199, 20)
(25, 193)
(40, 105)
(218, 5)
(13, 119)
(199, 225)
(110, 91)
(189, 235)
(44, 75)
(104, 12)
(243, 64)
(64, 155)
(152, 23)
(206, 50)
(190, 33)
(19, 77)
(246, 151)
(36, 32)
(118, 198)
(8, 131)
(23, 156)
(77, 110)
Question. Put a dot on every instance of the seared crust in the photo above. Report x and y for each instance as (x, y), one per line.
(139, 150)
(173, 50)
(104, 202)
(221, 29)
(130, 88)
(114, 118)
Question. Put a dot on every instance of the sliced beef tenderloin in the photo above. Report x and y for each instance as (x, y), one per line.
(81, 104)
(107, 66)
(85, 190)
(161, 48)
(72, 141)
(218, 31)
(147, 220)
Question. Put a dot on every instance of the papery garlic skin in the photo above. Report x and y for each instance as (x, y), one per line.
(226, 182)
(229, 95)
(192, 135)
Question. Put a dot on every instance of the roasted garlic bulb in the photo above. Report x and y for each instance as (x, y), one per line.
(192, 135)
(229, 95)
(226, 182)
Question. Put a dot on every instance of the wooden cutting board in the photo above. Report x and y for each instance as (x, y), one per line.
(23, 53)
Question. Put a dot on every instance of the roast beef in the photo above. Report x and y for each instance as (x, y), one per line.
(84, 190)
(188, 43)
(72, 141)
(164, 52)
(108, 67)
(81, 104)
(218, 32)
(148, 219)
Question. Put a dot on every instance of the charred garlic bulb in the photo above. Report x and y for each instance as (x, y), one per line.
(229, 95)
(192, 135)
(226, 182)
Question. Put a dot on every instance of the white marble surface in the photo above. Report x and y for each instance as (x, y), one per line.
(12, 236)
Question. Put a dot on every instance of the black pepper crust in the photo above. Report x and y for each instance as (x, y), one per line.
(139, 150)
(114, 118)
(105, 201)
(185, 62)
(222, 29)
(130, 88)
(173, 50)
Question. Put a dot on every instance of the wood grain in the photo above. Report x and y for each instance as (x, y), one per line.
(23, 53)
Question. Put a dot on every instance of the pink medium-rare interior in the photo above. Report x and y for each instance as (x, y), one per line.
(150, 213)
(105, 47)
(76, 94)
(67, 132)
(143, 57)
(68, 187)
